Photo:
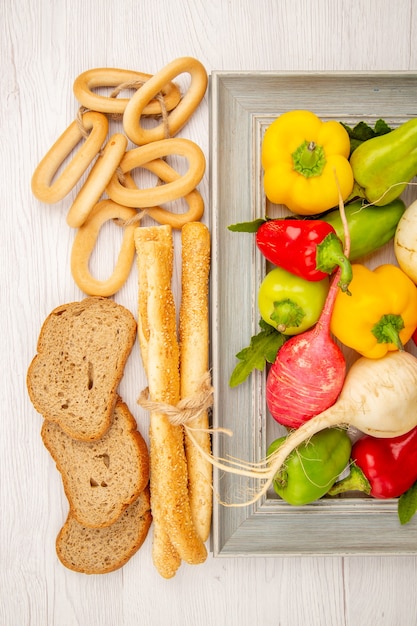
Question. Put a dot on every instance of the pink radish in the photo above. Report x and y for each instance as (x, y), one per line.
(310, 369)
(308, 373)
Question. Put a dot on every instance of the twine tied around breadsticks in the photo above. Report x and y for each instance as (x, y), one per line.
(188, 409)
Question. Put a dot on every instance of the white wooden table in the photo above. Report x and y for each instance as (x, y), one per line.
(44, 46)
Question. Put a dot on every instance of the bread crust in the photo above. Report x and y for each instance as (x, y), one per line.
(194, 364)
(81, 354)
(158, 339)
(101, 478)
(102, 550)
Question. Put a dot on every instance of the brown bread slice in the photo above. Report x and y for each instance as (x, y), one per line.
(100, 478)
(103, 550)
(81, 354)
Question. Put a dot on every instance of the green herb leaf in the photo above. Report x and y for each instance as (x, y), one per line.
(381, 128)
(407, 504)
(263, 348)
(247, 227)
(362, 132)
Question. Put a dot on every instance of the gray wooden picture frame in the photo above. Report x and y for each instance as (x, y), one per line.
(242, 105)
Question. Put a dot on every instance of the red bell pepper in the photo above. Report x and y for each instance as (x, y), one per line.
(310, 249)
(382, 467)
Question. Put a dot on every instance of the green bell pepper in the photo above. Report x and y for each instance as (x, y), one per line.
(313, 467)
(381, 162)
(369, 227)
(289, 303)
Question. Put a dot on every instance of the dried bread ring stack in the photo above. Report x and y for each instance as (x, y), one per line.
(107, 165)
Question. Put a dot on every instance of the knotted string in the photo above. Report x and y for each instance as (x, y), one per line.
(187, 409)
(79, 118)
(132, 220)
(137, 84)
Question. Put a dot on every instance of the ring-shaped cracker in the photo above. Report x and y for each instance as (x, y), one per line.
(143, 155)
(97, 180)
(42, 186)
(179, 115)
(193, 199)
(114, 77)
(85, 241)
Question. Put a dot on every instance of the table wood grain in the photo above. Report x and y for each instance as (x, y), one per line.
(45, 45)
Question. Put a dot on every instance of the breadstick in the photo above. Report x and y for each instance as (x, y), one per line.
(194, 363)
(165, 558)
(157, 323)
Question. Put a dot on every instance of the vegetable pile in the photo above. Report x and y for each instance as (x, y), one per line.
(338, 192)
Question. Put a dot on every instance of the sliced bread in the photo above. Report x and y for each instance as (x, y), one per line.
(100, 478)
(81, 354)
(102, 550)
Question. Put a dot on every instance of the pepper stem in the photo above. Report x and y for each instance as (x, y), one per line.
(329, 255)
(357, 192)
(387, 330)
(309, 159)
(287, 314)
(355, 481)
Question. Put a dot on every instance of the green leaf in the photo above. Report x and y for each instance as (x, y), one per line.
(381, 128)
(263, 348)
(247, 227)
(407, 504)
(362, 132)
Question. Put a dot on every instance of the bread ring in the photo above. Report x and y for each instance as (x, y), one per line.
(97, 180)
(142, 198)
(178, 116)
(42, 186)
(113, 77)
(167, 173)
(86, 239)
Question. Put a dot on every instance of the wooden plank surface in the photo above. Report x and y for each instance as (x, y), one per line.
(45, 45)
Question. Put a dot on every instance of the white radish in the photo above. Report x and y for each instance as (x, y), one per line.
(405, 242)
(379, 398)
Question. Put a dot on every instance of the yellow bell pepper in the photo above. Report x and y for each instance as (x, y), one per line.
(380, 315)
(300, 157)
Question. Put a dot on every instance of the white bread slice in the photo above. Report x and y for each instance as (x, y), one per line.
(100, 478)
(103, 550)
(81, 354)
